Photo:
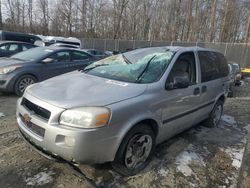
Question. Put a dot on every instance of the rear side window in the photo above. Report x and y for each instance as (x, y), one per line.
(4, 47)
(61, 56)
(79, 56)
(99, 53)
(13, 47)
(10, 47)
(213, 65)
(93, 52)
(26, 47)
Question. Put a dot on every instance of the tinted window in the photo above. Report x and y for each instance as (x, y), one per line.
(185, 67)
(10, 47)
(222, 62)
(213, 65)
(26, 47)
(18, 37)
(61, 56)
(13, 47)
(93, 52)
(79, 56)
(99, 53)
(4, 47)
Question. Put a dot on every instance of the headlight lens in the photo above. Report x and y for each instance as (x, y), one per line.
(8, 69)
(86, 117)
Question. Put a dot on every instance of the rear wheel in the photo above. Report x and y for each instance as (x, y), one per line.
(22, 83)
(215, 116)
(135, 151)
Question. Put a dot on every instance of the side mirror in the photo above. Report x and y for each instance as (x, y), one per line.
(48, 60)
(179, 82)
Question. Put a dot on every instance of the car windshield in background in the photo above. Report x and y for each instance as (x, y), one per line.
(32, 54)
(138, 66)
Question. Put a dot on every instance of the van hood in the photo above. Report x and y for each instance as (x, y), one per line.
(77, 89)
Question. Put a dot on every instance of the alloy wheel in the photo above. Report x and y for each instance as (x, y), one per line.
(24, 83)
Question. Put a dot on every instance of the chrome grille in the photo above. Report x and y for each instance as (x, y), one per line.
(43, 113)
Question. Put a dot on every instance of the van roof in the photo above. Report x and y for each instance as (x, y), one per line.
(178, 48)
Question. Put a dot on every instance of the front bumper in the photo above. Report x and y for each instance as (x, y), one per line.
(7, 82)
(58, 141)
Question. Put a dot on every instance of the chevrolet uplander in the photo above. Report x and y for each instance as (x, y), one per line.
(119, 108)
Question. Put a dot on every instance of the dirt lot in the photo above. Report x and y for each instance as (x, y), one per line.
(199, 157)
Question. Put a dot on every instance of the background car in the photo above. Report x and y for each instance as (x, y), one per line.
(235, 72)
(49, 40)
(97, 53)
(109, 53)
(18, 36)
(8, 48)
(64, 45)
(234, 76)
(38, 64)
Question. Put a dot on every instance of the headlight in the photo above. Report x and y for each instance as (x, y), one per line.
(9, 69)
(86, 117)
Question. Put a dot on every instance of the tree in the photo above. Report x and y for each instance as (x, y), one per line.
(169, 20)
(1, 19)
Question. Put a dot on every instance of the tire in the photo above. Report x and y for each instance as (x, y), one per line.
(215, 116)
(22, 83)
(141, 135)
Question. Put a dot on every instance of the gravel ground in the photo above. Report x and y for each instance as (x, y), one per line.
(199, 157)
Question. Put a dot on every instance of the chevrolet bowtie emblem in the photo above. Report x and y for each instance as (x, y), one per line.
(26, 118)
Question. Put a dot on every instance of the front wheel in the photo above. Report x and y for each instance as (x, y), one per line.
(135, 151)
(22, 83)
(215, 116)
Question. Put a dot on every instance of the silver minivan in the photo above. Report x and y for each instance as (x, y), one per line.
(119, 108)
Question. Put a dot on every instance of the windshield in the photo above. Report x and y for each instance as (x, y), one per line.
(32, 54)
(138, 66)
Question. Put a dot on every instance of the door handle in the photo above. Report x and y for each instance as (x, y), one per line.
(203, 89)
(197, 91)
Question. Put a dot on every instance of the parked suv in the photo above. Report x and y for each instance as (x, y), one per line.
(119, 108)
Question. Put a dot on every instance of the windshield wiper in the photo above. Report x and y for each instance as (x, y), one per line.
(126, 59)
(91, 68)
(144, 70)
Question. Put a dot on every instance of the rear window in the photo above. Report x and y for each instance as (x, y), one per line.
(213, 65)
(223, 67)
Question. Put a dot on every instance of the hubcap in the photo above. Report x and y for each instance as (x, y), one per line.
(138, 150)
(217, 114)
(24, 83)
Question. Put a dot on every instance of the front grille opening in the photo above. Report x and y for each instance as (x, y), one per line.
(43, 113)
(33, 127)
